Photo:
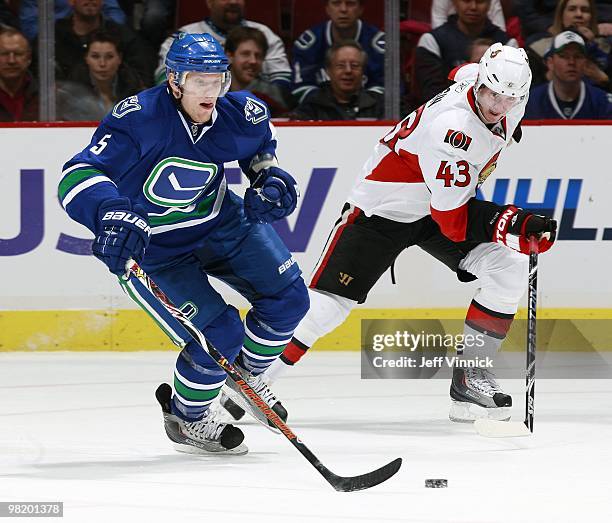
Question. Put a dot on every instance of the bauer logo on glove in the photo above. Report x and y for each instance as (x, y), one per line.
(123, 232)
(129, 218)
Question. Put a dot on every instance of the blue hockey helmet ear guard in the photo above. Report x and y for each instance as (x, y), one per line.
(196, 64)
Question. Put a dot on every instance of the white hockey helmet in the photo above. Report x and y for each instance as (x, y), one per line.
(505, 70)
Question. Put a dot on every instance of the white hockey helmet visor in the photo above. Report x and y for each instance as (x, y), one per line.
(206, 85)
(494, 102)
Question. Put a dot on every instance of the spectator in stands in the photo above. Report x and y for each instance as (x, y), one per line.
(478, 48)
(224, 16)
(579, 16)
(343, 97)
(28, 14)
(310, 49)
(18, 90)
(72, 35)
(538, 16)
(441, 9)
(448, 46)
(7, 18)
(535, 16)
(97, 82)
(567, 95)
(246, 48)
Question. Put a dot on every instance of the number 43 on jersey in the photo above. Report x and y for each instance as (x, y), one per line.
(457, 174)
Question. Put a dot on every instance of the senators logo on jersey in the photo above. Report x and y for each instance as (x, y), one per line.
(458, 139)
(488, 168)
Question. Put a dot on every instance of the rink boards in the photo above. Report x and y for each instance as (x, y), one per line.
(56, 296)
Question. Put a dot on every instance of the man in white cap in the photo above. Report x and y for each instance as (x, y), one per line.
(568, 96)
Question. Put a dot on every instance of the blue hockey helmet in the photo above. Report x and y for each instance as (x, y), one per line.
(198, 53)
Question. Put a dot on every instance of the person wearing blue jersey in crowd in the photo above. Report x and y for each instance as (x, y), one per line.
(569, 95)
(309, 50)
(151, 187)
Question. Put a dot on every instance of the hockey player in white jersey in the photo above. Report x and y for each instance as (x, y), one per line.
(419, 188)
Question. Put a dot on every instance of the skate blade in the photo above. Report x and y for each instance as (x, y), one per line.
(501, 429)
(249, 407)
(465, 412)
(240, 450)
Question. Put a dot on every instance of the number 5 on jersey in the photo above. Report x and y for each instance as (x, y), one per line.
(446, 174)
(97, 149)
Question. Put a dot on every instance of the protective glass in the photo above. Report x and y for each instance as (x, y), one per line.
(206, 85)
(495, 102)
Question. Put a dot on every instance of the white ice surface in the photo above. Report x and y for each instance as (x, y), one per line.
(85, 429)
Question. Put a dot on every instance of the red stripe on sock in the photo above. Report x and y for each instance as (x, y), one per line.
(486, 322)
(293, 353)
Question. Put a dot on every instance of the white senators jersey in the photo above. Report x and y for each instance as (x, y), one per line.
(434, 159)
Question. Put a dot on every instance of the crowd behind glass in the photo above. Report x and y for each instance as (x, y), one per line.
(314, 60)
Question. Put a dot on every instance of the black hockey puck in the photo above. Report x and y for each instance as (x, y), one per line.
(436, 483)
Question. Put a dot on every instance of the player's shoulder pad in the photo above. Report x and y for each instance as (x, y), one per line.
(457, 134)
(310, 37)
(139, 107)
(464, 72)
(126, 106)
(138, 111)
(253, 111)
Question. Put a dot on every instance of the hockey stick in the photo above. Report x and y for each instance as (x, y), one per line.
(160, 315)
(507, 429)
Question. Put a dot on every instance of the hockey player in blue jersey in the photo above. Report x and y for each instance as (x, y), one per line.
(151, 187)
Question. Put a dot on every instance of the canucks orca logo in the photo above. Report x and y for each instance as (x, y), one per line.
(177, 182)
(378, 42)
(255, 111)
(126, 106)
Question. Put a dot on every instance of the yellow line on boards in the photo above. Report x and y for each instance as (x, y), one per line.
(131, 330)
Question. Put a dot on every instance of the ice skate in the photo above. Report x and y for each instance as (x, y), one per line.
(206, 436)
(475, 394)
(233, 401)
(274, 371)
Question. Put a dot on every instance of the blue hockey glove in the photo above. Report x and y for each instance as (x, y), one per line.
(122, 233)
(272, 196)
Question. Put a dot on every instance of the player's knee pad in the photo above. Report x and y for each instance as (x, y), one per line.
(504, 284)
(226, 333)
(327, 311)
(283, 311)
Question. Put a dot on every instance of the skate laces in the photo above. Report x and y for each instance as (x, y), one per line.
(208, 428)
(260, 386)
(482, 380)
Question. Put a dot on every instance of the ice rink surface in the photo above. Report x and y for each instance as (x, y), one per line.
(85, 429)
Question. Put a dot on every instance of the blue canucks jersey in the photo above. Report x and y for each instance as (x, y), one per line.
(309, 57)
(592, 104)
(147, 150)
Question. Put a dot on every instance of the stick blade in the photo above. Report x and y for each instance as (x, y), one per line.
(365, 481)
(501, 429)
